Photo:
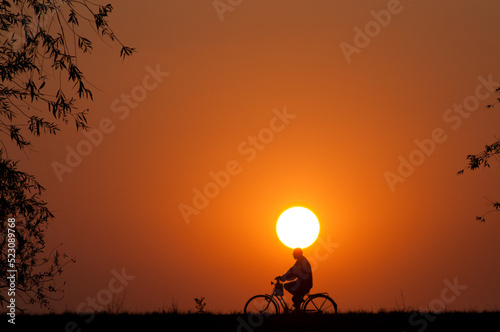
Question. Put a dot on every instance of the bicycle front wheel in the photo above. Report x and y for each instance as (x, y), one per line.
(261, 304)
(321, 304)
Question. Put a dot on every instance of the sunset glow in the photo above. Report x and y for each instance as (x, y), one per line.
(241, 130)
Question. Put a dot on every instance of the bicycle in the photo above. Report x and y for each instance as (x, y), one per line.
(275, 304)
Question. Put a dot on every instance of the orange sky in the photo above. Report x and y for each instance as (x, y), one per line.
(350, 121)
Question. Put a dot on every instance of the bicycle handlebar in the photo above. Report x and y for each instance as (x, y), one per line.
(278, 280)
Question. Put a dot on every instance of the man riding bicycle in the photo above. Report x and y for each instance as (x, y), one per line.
(301, 275)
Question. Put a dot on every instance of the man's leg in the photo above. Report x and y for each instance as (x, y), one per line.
(300, 291)
(294, 289)
(297, 301)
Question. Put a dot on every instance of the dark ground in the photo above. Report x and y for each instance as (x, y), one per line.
(390, 321)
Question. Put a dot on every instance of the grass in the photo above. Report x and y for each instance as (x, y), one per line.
(349, 321)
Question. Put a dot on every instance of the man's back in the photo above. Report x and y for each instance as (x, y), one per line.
(304, 272)
(301, 270)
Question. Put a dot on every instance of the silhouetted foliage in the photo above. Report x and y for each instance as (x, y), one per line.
(20, 199)
(359, 320)
(41, 42)
(40, 89)
(482, 159)
(116, 306)
(200, 304)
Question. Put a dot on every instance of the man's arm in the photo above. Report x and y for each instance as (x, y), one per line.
(289, 275)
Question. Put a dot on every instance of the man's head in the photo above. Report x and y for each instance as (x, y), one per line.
(297, 253)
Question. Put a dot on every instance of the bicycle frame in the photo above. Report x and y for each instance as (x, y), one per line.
(278, 299)
(265, 303)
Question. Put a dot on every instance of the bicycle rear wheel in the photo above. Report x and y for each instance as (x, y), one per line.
(320, 303)
(261, 304)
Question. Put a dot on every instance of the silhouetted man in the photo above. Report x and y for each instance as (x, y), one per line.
(301, 273)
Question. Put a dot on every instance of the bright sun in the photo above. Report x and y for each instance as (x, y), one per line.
(297, 227)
